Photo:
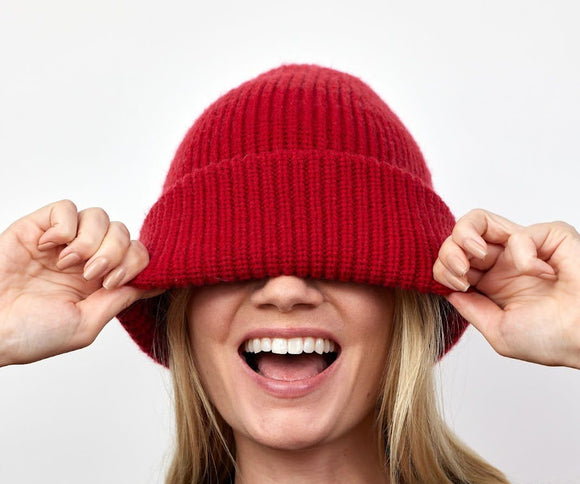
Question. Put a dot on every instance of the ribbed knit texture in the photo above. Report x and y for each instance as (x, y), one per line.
(303, 170)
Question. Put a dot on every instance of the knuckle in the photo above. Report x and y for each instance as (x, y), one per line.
(66, 204)
(467, 222)
(518, 235)
(564, 226)
(64, 219)
(139, 246)
(120, 228)
(141, 252)
(475, 213)
(95, 213)
(459, 232)
(525, 265)
(445, 245)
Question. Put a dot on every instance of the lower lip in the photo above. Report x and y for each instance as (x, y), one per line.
(290, 389)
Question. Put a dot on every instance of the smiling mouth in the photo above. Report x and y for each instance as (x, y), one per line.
(289, 359)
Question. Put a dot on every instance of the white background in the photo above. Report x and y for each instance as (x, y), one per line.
(95, 97)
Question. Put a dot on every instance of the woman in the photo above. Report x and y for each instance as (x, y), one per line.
(301, 270)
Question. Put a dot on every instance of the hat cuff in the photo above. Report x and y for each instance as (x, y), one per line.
(311, 213)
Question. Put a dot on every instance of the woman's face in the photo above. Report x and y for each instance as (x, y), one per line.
(290, 362)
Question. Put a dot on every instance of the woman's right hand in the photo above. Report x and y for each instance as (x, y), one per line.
(62, 276)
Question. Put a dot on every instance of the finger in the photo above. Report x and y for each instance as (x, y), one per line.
(135, 260)
(477, 227)
(58, 221)
(462, 269)
(543, 242)
(453, 257)
(100, 307)
(473, 276)
(111, 252)
(493, 253)
(448, 278)
(523, 250)
(482, 313)
(458, 261)
(93, 224)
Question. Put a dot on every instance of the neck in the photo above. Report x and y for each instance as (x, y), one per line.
(351, 459)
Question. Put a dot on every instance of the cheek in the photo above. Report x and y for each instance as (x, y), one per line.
(207, 340)
(375, 332)
(373, 321)
(375, 352)
(209, 327)
(211, 364)
(209, 319)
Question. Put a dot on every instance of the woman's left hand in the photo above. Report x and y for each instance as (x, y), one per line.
(527, 281)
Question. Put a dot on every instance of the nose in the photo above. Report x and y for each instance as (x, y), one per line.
(286, 292)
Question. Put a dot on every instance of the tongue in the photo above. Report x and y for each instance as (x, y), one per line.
(290, 367)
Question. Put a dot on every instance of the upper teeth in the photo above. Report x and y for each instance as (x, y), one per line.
(293, 346)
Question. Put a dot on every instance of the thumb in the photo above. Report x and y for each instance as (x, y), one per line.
(102, 306)
(478, 310)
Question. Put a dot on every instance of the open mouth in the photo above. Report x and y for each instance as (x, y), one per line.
(289, 359)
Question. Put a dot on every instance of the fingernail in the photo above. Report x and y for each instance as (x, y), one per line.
(476, 247)
(548, 275)
(114, 278)
(47, 245)
(44, 236)
(68, 261)
(543, 267)
(459, 283)
(66, 251)
(95, 268)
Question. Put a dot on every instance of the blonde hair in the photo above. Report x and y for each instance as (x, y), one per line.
(414, 441)
(417, 444)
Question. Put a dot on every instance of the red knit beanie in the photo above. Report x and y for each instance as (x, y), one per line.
(302, 170)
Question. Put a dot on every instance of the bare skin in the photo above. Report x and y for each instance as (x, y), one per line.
(326, 434)
(47, 306)
(527, 281)
(348, 460)
(64, 275)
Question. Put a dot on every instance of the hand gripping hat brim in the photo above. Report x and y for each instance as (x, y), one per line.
(303, 170)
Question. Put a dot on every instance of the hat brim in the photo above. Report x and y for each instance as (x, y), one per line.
(311, 213)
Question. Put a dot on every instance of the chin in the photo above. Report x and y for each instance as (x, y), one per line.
(291, 437)
(302, 426)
